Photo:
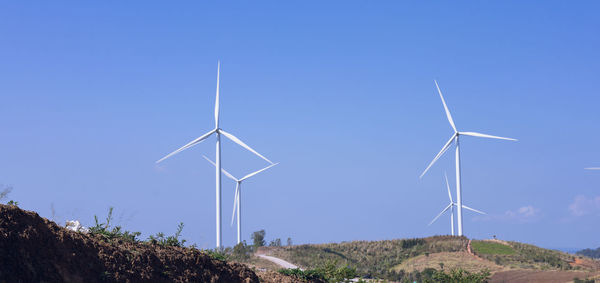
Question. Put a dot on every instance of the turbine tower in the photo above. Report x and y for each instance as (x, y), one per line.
(237, 199)
(456, 139)
(451, 207)
(218, 132)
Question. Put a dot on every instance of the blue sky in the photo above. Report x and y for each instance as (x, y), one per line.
(341, 93)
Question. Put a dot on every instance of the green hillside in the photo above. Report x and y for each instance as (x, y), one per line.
(412, 259)
(370, 258)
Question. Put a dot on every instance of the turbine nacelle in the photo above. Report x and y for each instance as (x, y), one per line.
(238, 182)
(457, 134)
(452, 205)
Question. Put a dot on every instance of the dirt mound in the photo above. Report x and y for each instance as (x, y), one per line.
(34, 249)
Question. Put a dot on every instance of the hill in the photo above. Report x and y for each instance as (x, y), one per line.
(35, 249)
(416, 259)
(590, 253)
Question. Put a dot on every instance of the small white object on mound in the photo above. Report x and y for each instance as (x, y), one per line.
(74, 225)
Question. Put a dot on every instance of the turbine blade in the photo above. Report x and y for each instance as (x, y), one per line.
(217, 99)
(222, 170)
(448, 186)
(190, 144)
(256, 172)
(238, 141)
(237, 186)
(446, 146)
(471, 209)
(474, 134)
(438, 216)
(446, 107)
(592, 168)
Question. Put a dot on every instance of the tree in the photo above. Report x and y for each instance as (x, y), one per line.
(275, 243)
(258, 238)
(241, 251)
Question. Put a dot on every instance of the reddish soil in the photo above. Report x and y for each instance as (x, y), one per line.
(539, 276)
(34, 249)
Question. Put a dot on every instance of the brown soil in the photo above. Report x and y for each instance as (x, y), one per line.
(541, 276)
(271, 276)
(34, 249)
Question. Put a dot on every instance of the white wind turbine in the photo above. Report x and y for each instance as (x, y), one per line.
(455, 138)
(237, 199)
(218, 132)
(451, 207)
(592, 168)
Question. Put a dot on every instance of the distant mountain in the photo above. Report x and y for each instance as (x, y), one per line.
(590, 253)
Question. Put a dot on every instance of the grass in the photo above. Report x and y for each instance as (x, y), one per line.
(370, 258)
(447, 261)
(519, 255)
(491, 248)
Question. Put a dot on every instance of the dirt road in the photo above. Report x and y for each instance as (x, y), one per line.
(278, 261)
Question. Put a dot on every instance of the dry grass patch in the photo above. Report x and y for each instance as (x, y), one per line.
(449, 261)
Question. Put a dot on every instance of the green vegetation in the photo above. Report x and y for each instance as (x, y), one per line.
(371, 259)
(215, 254)
(590, 253)
(4, 193)
(491, 248)
(119, 234)
(258, 238)
(116, 233)
(577, 280)
(170, 241)
(460, 276)
(275, 243)
(523, 255)
(331, 271)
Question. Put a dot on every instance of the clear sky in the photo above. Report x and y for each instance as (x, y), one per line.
(341, 93)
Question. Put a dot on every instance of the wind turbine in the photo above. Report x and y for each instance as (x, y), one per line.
(451, 207)
(455, 138)
(237, 199)
(218, 132)
(592, 168)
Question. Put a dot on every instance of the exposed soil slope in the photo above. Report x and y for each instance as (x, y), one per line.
(35, 249)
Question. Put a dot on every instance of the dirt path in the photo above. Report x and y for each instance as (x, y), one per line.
(278, 261)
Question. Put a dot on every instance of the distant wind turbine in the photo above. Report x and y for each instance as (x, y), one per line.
(237, 199)
(451, 207)
(592, 168)
(455, 138)
(217, 131)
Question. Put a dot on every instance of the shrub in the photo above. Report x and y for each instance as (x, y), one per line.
(103, 229)
(170, 241)
(330, 271)
(460, 275)
(241, 252)
(215, 254)
(258, 238)
(275, 243)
